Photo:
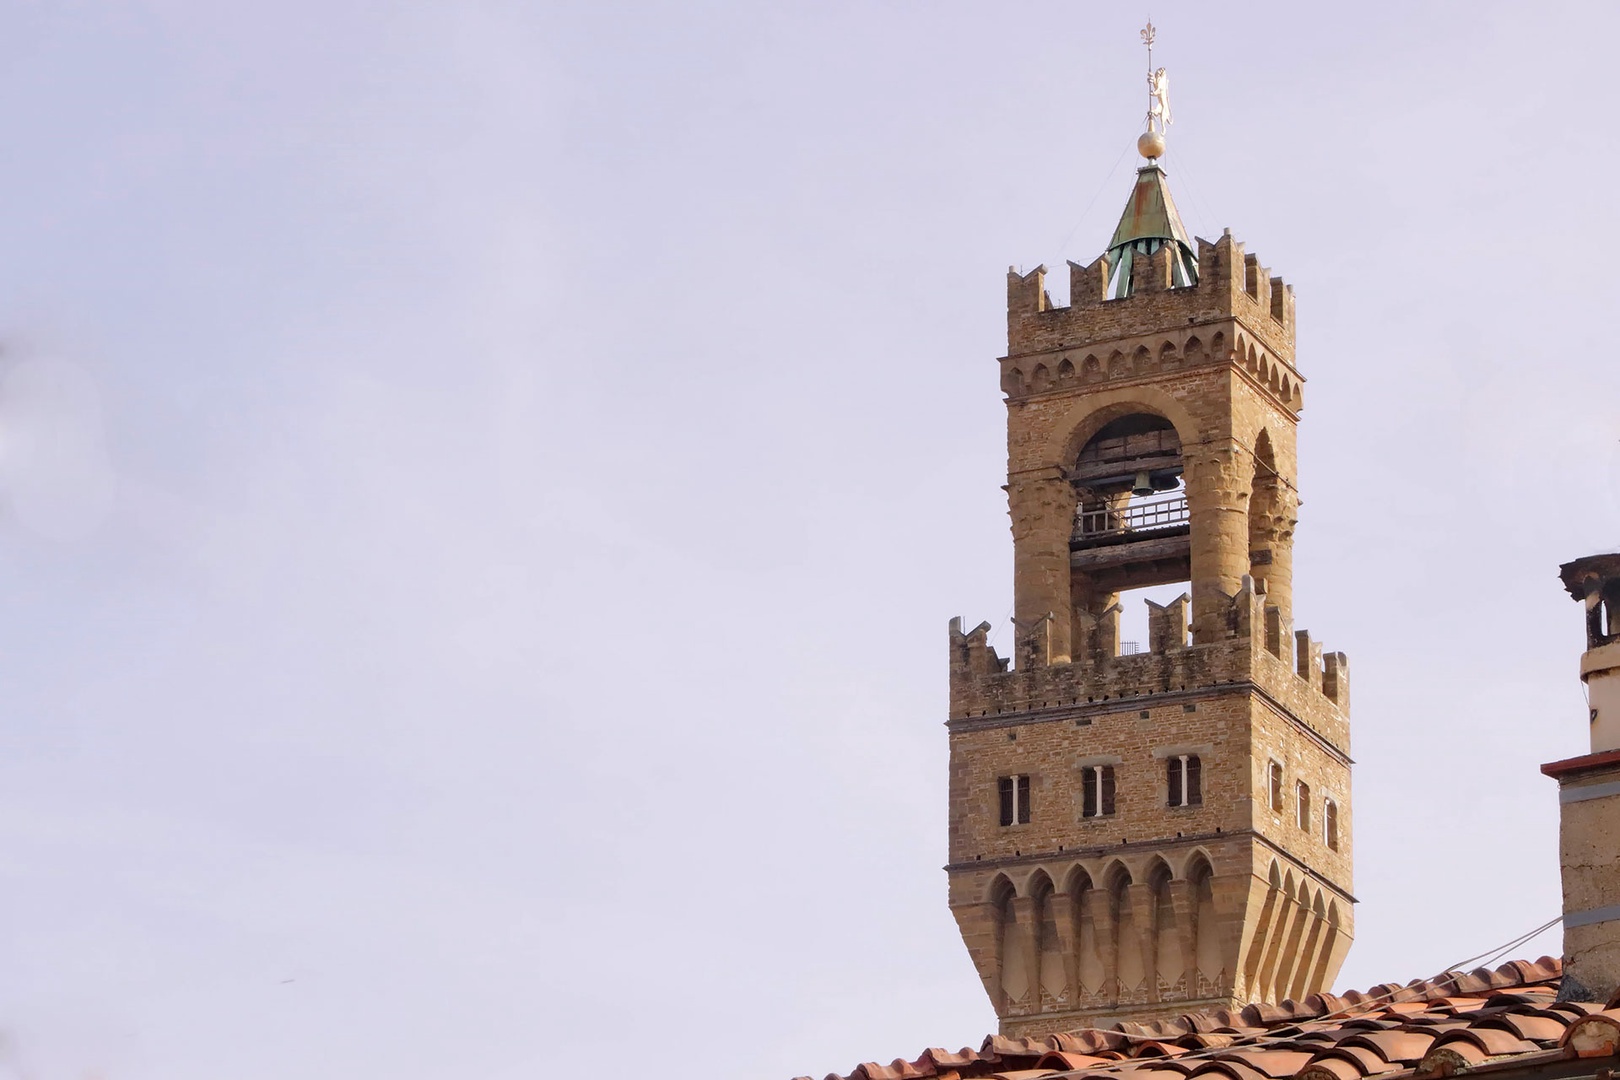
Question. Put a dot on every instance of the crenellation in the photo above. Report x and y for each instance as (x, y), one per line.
(1168, 625)
(1026, 294)
(1247, 609)
(1336, 679)
(1282, 296)
(1104, 639)
(1090, 320)
(983, 684)
(1088, 285)
(1231, 262)
(1309, 658)
(1152, 274)
(1279, 635)
(1256, 281)
(971, 653)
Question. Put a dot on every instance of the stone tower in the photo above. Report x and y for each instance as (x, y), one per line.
(1148, 831)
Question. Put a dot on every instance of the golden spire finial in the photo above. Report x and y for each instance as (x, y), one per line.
(1151, 143)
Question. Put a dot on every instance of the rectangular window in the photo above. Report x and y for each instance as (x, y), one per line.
(1097, 791)
(1013, 792)
(1184, 780)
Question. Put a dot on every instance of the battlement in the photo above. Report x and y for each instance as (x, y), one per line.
(1259, 648)
(1232, 285)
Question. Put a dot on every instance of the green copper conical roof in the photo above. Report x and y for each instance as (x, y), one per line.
(1150, 222)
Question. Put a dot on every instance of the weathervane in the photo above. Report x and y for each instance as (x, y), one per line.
(1151, 144)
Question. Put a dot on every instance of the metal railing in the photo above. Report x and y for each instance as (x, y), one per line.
(1096, 524)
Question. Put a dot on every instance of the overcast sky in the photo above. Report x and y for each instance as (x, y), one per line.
(484, 486)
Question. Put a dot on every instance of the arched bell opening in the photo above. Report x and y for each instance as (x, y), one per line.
(1130, 533)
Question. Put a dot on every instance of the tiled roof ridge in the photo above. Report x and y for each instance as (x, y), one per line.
(1216, 1034)
(1318, 1007)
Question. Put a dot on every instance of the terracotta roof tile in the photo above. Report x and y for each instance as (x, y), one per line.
(939, 1058)
(1394, 1046)
(1366, 1062)
(1331, 1068)
(1597, 1035)
(1064, 1061)
(1234, 1067)
(1529, 1026)
(1276, 1064)
(1160, 1048)
(1428, 1027)
(1494, 1042)
(1160, 1069)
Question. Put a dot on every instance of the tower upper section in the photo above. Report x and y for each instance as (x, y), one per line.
(1209, 364)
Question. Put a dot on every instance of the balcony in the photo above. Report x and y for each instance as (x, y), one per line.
(1131, 547)
(1107, 526)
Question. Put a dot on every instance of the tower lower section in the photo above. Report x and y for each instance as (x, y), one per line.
(1147, 835)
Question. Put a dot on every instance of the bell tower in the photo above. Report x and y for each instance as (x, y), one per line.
(1141, 830)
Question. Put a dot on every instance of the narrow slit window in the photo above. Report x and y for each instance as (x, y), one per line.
(1330, 824)
(1184, 776)
(1274, 786)
(1302, 804)
(1013, 792)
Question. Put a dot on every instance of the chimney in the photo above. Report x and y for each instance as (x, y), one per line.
(1589, 795)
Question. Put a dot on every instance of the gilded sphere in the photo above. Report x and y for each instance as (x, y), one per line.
(1151, 144)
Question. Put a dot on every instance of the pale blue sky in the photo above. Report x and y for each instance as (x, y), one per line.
(485, 485)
